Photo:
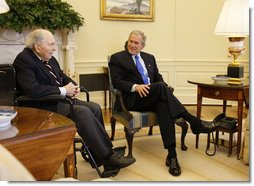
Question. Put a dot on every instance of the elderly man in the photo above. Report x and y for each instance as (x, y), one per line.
(39, 74)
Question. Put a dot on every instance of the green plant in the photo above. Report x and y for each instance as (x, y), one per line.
(48, 14)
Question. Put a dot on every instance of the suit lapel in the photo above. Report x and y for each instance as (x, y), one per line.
(133, 67)
(41, 66)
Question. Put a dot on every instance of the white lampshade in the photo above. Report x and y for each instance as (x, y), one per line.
(3, 7)
(234, 19)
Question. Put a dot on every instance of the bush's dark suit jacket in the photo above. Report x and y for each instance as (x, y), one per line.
(160, 99)
(35, 79)
(124, 73)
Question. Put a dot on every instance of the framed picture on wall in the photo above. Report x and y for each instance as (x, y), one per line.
(129, 10)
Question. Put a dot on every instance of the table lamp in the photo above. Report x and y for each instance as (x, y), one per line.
(234, 24)
(3, 7)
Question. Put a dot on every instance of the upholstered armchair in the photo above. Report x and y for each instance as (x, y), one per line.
(134, 121)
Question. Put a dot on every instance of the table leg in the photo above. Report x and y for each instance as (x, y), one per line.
(230, 144)
(239, 128)
(69, 167)
(224, 106)
(199, 103)
(224, 110)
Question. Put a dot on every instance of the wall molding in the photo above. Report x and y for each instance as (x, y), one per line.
(175, 73)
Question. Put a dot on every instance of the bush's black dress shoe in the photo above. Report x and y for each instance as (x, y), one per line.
(118, 161)
(174, 167)
(206, 127)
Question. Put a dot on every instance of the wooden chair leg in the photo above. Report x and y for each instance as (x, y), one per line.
(197, 139)
(184, 127)
(113, 128)
(129, 134)
(150, 131)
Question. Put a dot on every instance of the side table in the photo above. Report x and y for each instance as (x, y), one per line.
(224, 92)
(43, 141)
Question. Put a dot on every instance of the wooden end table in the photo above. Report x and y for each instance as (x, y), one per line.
(42, 142)
(239, 93)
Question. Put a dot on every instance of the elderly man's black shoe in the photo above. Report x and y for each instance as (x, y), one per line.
(118, 161)
(109, 172)
(205, 127)
(174, 167)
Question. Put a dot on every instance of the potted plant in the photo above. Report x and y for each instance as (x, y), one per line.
(49, 14)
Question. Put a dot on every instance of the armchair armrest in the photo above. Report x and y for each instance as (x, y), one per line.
(52, 97)
(82, 89)
(124, 112)
(171, 88)
(48, 98)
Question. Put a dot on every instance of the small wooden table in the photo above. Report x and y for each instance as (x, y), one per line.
(239, 93)
(44, 140)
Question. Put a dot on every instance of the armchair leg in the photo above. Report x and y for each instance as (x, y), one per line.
(113, 127)
(129, 134)
(184, 127)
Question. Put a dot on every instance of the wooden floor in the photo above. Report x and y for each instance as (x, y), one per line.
(150, 157)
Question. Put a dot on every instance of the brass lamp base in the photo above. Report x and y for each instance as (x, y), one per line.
(235, 81)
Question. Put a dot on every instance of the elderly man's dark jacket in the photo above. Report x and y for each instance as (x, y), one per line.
(34, 79)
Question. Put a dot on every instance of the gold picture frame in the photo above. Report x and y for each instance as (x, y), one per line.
(128, 10)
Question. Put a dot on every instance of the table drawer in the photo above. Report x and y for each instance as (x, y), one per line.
(217, 93)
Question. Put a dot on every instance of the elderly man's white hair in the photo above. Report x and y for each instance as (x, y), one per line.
(36, 36)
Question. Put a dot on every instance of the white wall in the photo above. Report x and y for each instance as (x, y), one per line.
(181, 38)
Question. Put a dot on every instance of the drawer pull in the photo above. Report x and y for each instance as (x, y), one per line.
(217, 93)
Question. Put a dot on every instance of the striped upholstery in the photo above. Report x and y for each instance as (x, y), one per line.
(140, 119)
